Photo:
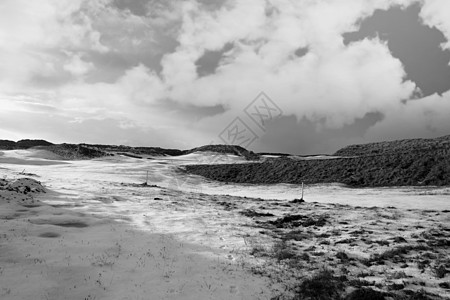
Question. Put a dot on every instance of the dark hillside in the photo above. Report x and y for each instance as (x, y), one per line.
(22, 144)
(7, 145)
(25, 144)
(405, 146)
(87, 151)
(419, 165)
(157, 151)
(226, 149)
(72, 151)
(137, 150)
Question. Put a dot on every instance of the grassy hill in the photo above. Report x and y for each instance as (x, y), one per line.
(72, 151)
(401, 146)
(88, 151)
(22, 144)
(399, 163)
(415, 162)
(7, 145)
(226, 149)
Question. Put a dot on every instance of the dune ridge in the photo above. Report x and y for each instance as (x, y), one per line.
(419, 162)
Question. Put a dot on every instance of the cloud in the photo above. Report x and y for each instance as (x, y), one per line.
(303, 136)
(78, 67)
(33, 35)
(427, 117)
(436, 13)
(121, 62)
(332, 81)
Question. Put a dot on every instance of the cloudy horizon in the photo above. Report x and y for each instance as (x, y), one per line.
(300, 77)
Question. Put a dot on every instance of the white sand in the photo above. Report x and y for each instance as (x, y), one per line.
(94, 238)
(97, 235)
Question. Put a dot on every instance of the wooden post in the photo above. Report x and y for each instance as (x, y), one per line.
(302, 191)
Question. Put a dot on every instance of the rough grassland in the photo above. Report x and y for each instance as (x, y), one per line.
(400, 163)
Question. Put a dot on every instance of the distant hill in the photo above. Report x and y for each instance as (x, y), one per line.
(7, 145)
(404, 146)
(83, 151)
(25, 144)
(415, 162)
(226, 149)
(88, 151)
(72, 151)
(156, 151)
(22, 144)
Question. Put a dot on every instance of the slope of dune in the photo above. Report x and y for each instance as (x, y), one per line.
(402, 163)
(52, 248)
(89, 229)
(226, 149)
(440, 145)
(89, 151)
(22, 144)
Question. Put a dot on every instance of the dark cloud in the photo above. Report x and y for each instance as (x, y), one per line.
(112, 65)
(136, 7)
(58, 76)
(135, 32)
(51, 81)
(209, 62)
(288, 135)
(416, 45)
(190, 112)
(108, 66)
(301, 52)
(212, 4)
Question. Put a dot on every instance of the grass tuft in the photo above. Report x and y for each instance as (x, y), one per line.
(323, 286)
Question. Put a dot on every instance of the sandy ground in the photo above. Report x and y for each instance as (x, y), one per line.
(88, 244)
(96, 233)
(49, 252)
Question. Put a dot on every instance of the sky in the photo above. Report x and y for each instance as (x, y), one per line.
(298, 77)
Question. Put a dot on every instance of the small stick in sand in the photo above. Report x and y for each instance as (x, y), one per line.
(301, 199)
(302, 192)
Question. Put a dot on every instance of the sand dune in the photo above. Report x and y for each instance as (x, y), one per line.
(50, 252)
(91, 230)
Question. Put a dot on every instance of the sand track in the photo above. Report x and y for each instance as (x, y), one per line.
(95, 232)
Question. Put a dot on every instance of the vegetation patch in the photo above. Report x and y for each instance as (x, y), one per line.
(412, 163)
(292, 221)
(252, 213)
(322, 286)
(49, 235)
(366, 294)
